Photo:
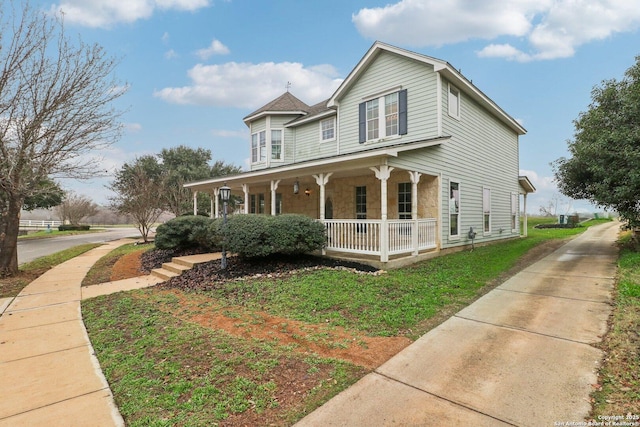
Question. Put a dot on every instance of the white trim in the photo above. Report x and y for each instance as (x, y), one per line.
(382, 93)
(335, 125)
(458, 95)
(274, 113)
(459, 207)
(439, 103)
(439, 66)
(319, 116)
(333, 162)
(487, 232)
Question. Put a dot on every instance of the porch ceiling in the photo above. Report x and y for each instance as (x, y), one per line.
(341, 166)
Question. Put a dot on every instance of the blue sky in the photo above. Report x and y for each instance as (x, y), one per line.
(195, 68)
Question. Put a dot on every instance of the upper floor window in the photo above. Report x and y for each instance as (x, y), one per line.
(383, 116)
(259, 147)
(328, 129)
(276, 145)
(263, 145)
(454, 102)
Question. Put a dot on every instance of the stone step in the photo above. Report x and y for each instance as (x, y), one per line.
(179, 265)
(163, 274)
(176, 267)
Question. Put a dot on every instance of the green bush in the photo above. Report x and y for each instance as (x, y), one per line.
(186, 232)
(69, 227)
(252, 236)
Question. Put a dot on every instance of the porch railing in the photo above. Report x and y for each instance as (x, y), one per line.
(378, 237)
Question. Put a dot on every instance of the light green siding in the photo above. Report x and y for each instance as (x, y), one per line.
(387, 72)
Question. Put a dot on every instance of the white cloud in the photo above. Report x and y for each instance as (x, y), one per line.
(133, 127)
(246, 85)
(106, 13)
(230, 133)
(549, 29)
(215, 48)
(171, 54)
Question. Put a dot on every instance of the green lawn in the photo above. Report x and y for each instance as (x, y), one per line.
(165, 370)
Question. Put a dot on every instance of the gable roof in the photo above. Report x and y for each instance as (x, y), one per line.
(442, 67)
(284, 104)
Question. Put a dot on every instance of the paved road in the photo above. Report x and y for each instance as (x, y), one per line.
(28, 250)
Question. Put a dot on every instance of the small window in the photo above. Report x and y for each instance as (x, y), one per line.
(262, 137)
(454, 209)
(328, 129)
(254, 148)
(404, 200)
(486, 209)
(514, 211)
(454, 102)
(276, 145)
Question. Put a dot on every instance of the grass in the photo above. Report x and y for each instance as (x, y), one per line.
(100, 272)
(11, 286)
(619, 388)
(45, 234)
(165, 370)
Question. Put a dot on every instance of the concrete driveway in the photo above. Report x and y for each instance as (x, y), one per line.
(521, 355)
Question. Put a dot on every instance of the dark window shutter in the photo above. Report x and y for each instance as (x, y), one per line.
(362, 122)
(402, 112)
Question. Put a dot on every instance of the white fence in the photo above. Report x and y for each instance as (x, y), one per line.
(31, 223)
(378, 237)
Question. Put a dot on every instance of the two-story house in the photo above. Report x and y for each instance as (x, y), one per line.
(406, 157)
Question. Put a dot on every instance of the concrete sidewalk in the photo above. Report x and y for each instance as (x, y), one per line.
(521, 355)
(49, 374)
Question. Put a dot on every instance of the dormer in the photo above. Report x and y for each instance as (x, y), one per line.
(269, 143)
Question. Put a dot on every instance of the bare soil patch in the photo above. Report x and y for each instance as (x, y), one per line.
(324, 340)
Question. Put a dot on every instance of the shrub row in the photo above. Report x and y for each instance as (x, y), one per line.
(248, 236)
(68, 227)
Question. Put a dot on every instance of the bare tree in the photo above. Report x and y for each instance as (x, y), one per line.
(75, 207)
(138, 189)
(55, 111)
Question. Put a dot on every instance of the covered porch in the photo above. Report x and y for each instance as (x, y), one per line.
(369, 208)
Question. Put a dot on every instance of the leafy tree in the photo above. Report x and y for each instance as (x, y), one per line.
(604, 166)
(138, 189)
(49, 195)
(75, 207)
(183, 164)
(55, 112)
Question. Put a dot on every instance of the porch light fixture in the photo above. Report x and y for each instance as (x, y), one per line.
(307, 192)
(225, 193)
(296, 187)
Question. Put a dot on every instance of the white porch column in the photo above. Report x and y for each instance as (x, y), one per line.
(322, 179)
(195, 203)
(415, 179)
(274, 187)
(216, 203)
(383, 173)
(245, 189)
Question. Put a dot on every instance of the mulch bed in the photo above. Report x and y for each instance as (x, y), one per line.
(207, 275)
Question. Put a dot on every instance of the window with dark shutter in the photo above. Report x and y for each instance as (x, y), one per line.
(402, 112)
(362, 122)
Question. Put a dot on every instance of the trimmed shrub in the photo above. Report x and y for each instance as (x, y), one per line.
(68, 227)
(186, 232)
(291, 234)
(252, 236)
